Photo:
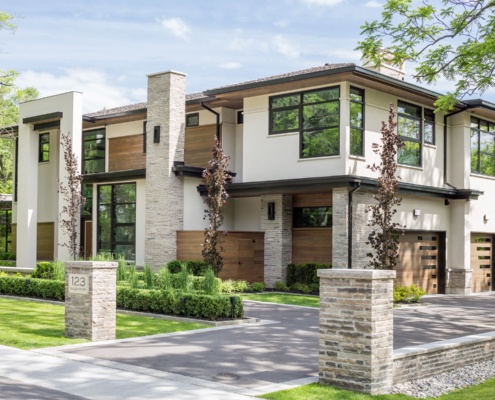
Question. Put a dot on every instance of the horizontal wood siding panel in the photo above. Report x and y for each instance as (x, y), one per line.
(126, 153)
(45, 238)
(312, 200)
(198, 145)
(243, 254)
(312, 245)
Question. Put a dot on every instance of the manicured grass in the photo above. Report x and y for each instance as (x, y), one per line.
(30, 325)
(485, 390)
(284, 298)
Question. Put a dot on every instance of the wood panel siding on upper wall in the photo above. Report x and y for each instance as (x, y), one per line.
(126, 153)
(45, 240)
(198, 145)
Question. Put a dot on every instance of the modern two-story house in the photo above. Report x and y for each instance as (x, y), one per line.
(299, 145)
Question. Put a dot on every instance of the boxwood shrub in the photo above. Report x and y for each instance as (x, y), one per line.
(196, 268)
(304, 273)
(32, 287)
(211, 307)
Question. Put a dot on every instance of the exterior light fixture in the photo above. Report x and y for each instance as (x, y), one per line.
(156, 134)
(416, 212)
(271, 211)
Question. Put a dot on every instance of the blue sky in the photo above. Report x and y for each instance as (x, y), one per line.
(106, 48)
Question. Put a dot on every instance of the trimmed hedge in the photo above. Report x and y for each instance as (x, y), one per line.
(32, 287)
(177, 303)
(304, 273)
(197, 268)
(7, 256)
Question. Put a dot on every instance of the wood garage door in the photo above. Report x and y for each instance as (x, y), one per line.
(420, 261)
(481, 262)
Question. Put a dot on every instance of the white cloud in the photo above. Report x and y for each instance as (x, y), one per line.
(284, 47)
(230, 65)
(176, 27)
(98, 91)
(323, 2)
(282, 23)
(373, 4)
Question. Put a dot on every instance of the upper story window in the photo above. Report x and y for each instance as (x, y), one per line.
(482, 147)
(414, 124)
(357, 122)
(314, 114)
(192, 119)
(94, 151)
(44, 147)
(312, 217)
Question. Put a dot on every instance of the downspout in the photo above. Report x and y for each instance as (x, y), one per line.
(218, 119)
(445, 146)
(349, 224)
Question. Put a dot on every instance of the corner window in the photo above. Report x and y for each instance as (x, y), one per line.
(94, 151)
(312, 217)
(482, 147)
(429, 126)
(409, 130)
(357, 122)
(44, 147)
(192, 119)
(240, 117)
(314, 114)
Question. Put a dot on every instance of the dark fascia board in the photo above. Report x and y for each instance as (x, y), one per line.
(353, 69)
(479, 103)
(43, 118)
(116, 115)
(114, 176)
(180, 169)
(321, 184)
(47, 125)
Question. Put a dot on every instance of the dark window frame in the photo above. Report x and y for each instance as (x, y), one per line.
(240, 117)
(194, 117)
(300, 123)
(85, 140)
(427, 113)
(113, 218)
(297, 217)
(351, 127)
(408, 138)
(490, 130)
(44, 147)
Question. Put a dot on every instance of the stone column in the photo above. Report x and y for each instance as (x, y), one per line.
(164, 145)
(90, 300)
(356, 329)
(278, 237)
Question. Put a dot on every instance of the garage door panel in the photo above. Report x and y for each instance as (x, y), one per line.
(418, 261)
(481, 262)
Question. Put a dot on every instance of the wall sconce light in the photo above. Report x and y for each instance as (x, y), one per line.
(416, 212)
(487, 217)
(156, 134)
(447, 202)
(271, 211)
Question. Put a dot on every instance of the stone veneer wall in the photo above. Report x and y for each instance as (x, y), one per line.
(278, 237)
(356, 329)
(435, 358)
(164, 191)
(459, 281)
(90, 313)
(360, 230)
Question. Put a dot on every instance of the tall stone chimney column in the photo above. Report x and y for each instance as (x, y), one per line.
(164, 145)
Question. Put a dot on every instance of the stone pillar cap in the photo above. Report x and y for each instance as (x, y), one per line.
(165, 73)
(341, 273)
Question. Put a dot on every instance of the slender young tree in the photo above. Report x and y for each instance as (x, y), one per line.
(72, 196)
(215, 178)
(384, 239)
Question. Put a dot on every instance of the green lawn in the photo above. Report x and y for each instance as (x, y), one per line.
(29, 325)
(284, 298)
(315, 391)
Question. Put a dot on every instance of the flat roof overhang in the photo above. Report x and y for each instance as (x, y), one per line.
(116, 176)
(325, 184)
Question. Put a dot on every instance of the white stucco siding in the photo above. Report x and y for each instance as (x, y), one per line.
(239, 145)
(47, 181)
(485, 205)
(248, 214)
(276, 157)
(193, 206)
(435, 215)
(126, 129)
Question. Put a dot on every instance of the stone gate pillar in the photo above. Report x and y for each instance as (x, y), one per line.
(90, 299)
(356, 329)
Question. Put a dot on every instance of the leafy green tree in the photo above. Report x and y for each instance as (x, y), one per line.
(10, 97)
(453, 39)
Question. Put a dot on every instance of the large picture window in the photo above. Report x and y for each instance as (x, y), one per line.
(482, 147)
(312, 217)
(117, 220)
(357, 122)
(94, 151)
(314, 114)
